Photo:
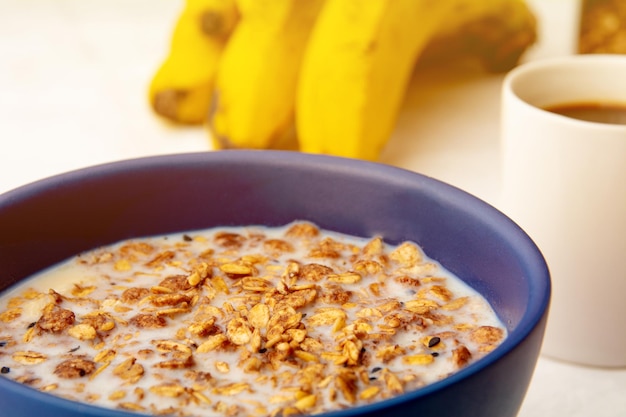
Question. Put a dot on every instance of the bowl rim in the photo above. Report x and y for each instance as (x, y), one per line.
(540, 286)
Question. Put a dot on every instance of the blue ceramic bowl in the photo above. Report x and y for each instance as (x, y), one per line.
(53, 219)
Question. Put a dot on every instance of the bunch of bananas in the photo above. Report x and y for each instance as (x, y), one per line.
(321, 76)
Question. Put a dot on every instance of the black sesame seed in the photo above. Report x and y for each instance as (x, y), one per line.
(31, 325)
(262, 350)
(82, 372)
(5, 370)
(377, 369)
(74, 349)
(434, 341)
(435, 354)
(3, 343)
(187, 238)
(373, 378)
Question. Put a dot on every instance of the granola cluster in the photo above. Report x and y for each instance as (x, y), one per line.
(243, 322)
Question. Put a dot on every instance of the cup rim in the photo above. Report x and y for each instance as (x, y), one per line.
(531, 68)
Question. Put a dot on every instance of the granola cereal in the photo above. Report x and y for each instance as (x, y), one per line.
(243, 321)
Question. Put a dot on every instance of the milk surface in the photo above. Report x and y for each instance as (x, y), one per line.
(247, 331)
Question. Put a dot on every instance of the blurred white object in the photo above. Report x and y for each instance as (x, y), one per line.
(564, 183)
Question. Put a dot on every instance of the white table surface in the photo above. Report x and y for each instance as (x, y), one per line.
(73, 82)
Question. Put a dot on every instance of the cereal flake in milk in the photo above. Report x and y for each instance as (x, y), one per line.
(250, 321)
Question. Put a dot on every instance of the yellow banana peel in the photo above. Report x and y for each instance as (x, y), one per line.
(356, 69)
(321, 76)
(257, 76)
(495, 32)
(182, 88)
(359, 62)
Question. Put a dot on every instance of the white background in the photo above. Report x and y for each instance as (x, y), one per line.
(73, 83)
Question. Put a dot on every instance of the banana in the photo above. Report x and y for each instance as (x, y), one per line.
(496, 32)
(257, 75)
(182, 88)
(359, 62)
(356, 69)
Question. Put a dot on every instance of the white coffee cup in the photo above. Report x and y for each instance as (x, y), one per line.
(564, 182)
